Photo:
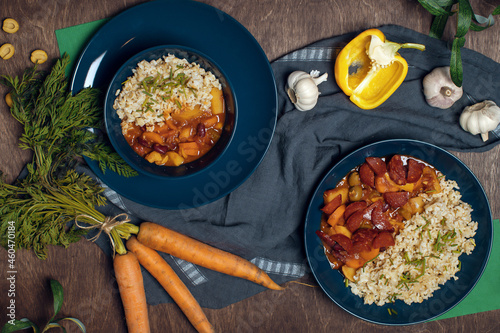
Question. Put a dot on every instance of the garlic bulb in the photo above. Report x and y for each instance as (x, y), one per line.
(480, 118)
(439, 89)
(302, 88)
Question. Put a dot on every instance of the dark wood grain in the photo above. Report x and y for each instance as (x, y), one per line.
(279, 27)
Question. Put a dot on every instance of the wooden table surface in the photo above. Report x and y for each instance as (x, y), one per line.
(280, 26)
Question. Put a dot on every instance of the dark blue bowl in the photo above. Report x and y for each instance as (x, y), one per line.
(453, 291)
(112, 121)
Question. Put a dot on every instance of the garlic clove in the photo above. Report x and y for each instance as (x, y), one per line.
(302, 89)
(439, 89)
(480, 118)
(291, 95)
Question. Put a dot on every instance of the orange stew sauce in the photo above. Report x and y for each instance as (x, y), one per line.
(365, 211)
(187, 135)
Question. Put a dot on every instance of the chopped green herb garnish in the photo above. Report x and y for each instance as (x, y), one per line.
(369, 261)
(165, 86)
(443, 240)
(406, 278)
(392, 298)
(193, 91)
(427, 224)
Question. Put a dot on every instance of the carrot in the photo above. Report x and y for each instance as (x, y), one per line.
(129, 278)
(165, 240)
(166, 276)
(188, 145)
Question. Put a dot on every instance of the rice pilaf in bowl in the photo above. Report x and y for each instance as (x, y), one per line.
(426, 251)
(170, 111)
(428, 261)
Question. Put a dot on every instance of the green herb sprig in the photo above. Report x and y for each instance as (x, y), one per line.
(15, 325)
(466, 21)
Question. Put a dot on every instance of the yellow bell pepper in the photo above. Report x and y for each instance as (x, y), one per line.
(369, 69)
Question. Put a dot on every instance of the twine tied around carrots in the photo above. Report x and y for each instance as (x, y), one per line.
(105, 226)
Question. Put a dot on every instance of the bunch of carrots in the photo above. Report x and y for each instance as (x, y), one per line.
(141, 246)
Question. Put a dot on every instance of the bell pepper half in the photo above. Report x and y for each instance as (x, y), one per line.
(369, 69)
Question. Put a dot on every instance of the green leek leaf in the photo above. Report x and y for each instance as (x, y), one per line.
(20, 325)
(464, 18)
(477, 27)
(434, 7)
(53, 325)
(77, 322)
(489, 21)
(456, 69)
(57, 292)
(438, 24)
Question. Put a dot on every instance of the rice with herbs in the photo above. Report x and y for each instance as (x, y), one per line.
(160, 87)
(426, 254)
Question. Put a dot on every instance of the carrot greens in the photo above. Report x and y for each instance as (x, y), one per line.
(57, 124)
(42, 203)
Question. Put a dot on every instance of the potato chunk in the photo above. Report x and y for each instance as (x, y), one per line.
(349, 272)
(217, 101)
(175, 158)
(154, 157)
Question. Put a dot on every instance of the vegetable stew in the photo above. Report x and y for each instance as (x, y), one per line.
(366, 209)
(185, 136)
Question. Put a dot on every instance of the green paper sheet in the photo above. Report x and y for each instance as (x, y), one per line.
(72, 40)
(481, 298)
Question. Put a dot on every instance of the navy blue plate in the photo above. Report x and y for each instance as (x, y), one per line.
(233, 48)
(453, 291)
